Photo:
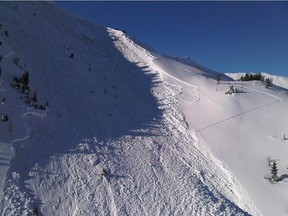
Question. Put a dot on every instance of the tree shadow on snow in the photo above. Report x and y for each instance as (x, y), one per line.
(283, 177)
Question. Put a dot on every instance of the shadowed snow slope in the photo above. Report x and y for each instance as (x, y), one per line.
(109, 128)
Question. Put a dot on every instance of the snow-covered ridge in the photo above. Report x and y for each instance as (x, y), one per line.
(118, 135)
(235, 191)
(216, 111)
(107, 109)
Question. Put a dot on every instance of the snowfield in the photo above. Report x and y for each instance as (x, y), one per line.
(118, 129)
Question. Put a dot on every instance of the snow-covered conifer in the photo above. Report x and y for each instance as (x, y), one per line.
(274, 172)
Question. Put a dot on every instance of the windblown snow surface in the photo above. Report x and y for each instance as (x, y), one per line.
(170, 140)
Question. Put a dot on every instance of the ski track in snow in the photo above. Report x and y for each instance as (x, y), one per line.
(237, 115)
(113, 207)
(247, 111)
(195, 88)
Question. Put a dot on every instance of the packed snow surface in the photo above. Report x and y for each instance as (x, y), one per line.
(118, 129)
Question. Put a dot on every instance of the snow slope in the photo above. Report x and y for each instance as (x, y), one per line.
(153, 123)
(229, 124)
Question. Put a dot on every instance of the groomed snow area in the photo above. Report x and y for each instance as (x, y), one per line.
(169, 139)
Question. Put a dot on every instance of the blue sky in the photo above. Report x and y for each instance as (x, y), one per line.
(224, 36)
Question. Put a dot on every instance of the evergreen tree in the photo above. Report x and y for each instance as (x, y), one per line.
(34, 97)
(6, 33)
(246, 78)
(274, 171)
(218, 78)
(269, 82)
(25, 78)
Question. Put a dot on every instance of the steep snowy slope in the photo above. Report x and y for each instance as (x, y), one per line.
(244, 130)
(106, 134)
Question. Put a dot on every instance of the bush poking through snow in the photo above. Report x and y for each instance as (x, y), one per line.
(15, 83)
(3, 100)
(22, 84)
(233, 91)
(268, 82)
(6, 33)
(35, 212)
(4, 118)
(34, 97)
(16, 61)
(25, 78)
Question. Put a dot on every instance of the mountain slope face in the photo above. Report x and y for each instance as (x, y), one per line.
(106, 134)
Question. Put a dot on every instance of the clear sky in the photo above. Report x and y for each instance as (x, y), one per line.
(224, 36)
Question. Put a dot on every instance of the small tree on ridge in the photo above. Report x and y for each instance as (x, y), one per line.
(274, 172)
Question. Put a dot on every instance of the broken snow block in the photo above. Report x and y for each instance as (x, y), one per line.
(103, 172)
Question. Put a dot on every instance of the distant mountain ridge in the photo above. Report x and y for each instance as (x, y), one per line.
(277, 80)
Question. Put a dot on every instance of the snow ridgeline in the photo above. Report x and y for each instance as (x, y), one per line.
(106, 112)
(231, 188)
